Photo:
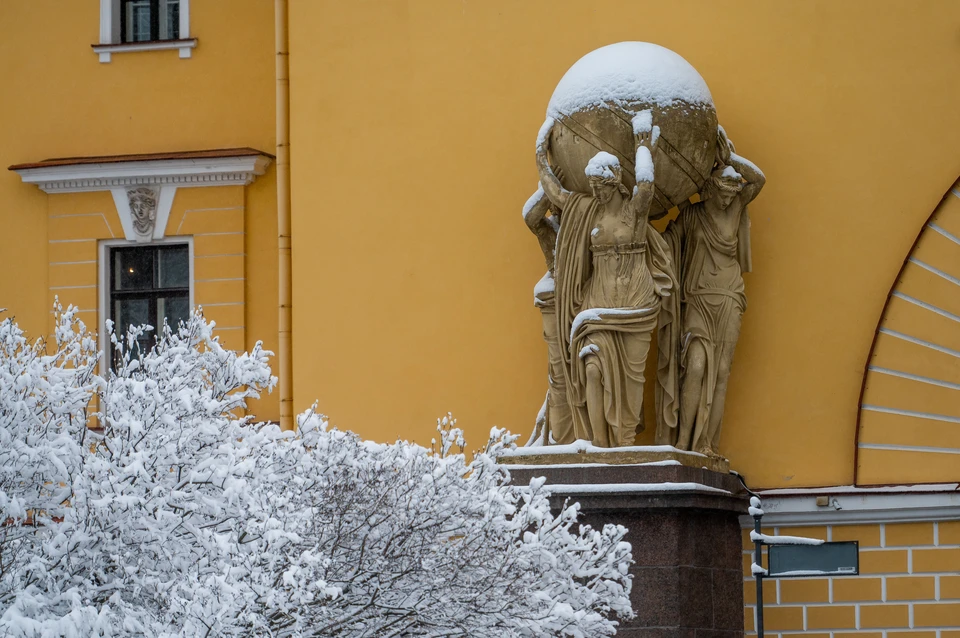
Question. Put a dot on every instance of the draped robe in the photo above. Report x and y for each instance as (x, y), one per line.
(710, 306)
(606, 295)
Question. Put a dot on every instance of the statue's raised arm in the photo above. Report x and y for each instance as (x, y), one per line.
(755, 179)
(645, 136)
(555, 191)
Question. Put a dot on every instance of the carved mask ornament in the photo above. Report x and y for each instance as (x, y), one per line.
(143, 209)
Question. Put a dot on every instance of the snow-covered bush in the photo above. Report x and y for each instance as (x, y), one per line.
(44, 392)
(185, 518)
(365, 539)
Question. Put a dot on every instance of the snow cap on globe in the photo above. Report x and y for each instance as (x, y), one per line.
(628, 73)
(595, 102)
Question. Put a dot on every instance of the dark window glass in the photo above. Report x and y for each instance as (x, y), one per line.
(133, 269)
(133, 312)
(149, 20)
(173, 268)
(147, 285)
(174, 309)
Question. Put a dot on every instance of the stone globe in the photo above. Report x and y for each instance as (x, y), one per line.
(594, 105)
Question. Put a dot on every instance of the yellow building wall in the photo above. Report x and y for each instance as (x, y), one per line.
(213, 218)
(908, 586)
(413, 125)
(60, 101)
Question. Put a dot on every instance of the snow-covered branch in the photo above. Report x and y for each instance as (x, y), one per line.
(184, 517)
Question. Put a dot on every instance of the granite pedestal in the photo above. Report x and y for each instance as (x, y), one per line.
(683, 526)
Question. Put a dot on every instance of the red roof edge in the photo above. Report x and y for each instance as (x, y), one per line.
(142, 157)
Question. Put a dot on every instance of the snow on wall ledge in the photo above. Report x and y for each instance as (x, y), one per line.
(626, 72)
(585, 446)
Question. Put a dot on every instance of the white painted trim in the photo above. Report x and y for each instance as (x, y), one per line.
(106, 50)
(915, 377)
(79, 178)
(164, 204)
(107, 20)
(103, 287)
(184, 25)
(110, 36)
(926, 306)
(912, 413)
(122, 203)
(945, 233)
(908, 448)
(859, 505)
(920, 342)
(935, 271)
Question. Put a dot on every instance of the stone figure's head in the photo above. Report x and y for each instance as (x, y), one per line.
(603, 172)
(723, 185)
(143, 209)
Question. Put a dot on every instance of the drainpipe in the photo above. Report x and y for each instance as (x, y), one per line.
(285, 355)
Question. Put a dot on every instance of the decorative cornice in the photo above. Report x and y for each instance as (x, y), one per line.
(846, 505)
(81, 175)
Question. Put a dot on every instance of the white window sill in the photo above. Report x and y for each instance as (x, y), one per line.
(106, 50)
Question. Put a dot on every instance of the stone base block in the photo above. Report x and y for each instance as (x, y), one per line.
(685, 533)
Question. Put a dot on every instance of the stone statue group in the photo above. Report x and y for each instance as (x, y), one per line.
(613, 280)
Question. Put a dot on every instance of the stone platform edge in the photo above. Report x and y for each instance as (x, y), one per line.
(612, 487)
(581, 452)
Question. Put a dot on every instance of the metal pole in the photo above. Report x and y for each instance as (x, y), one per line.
(285, 266)
(758, 559)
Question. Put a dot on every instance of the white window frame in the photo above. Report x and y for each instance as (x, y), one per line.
(103, 284)
(111, 40)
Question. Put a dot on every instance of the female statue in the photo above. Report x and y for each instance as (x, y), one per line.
(611, 270)
(709, 242)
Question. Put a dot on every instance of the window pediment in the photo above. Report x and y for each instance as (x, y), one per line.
(143, 186)
(223, 167)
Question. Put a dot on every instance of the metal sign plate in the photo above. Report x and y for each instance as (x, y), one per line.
(828, 559)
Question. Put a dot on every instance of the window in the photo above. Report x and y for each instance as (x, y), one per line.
(149, 20)
(147, 285)
(144, 25)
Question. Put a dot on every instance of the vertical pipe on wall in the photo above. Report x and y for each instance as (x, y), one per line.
(285, 355)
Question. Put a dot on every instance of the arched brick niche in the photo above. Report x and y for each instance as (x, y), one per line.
(909, 420)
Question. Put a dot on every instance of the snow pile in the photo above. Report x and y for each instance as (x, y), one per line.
(598, 314)
(545, 286)
(589, 349)
(628, 72)
(633, 488)
(643, 122)
(533, 200)
(743, 160)
(784, 540)
(583, 446)
(644, 165)
(731, 173)
(183, 518)
(602, 165)
(544, 132)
